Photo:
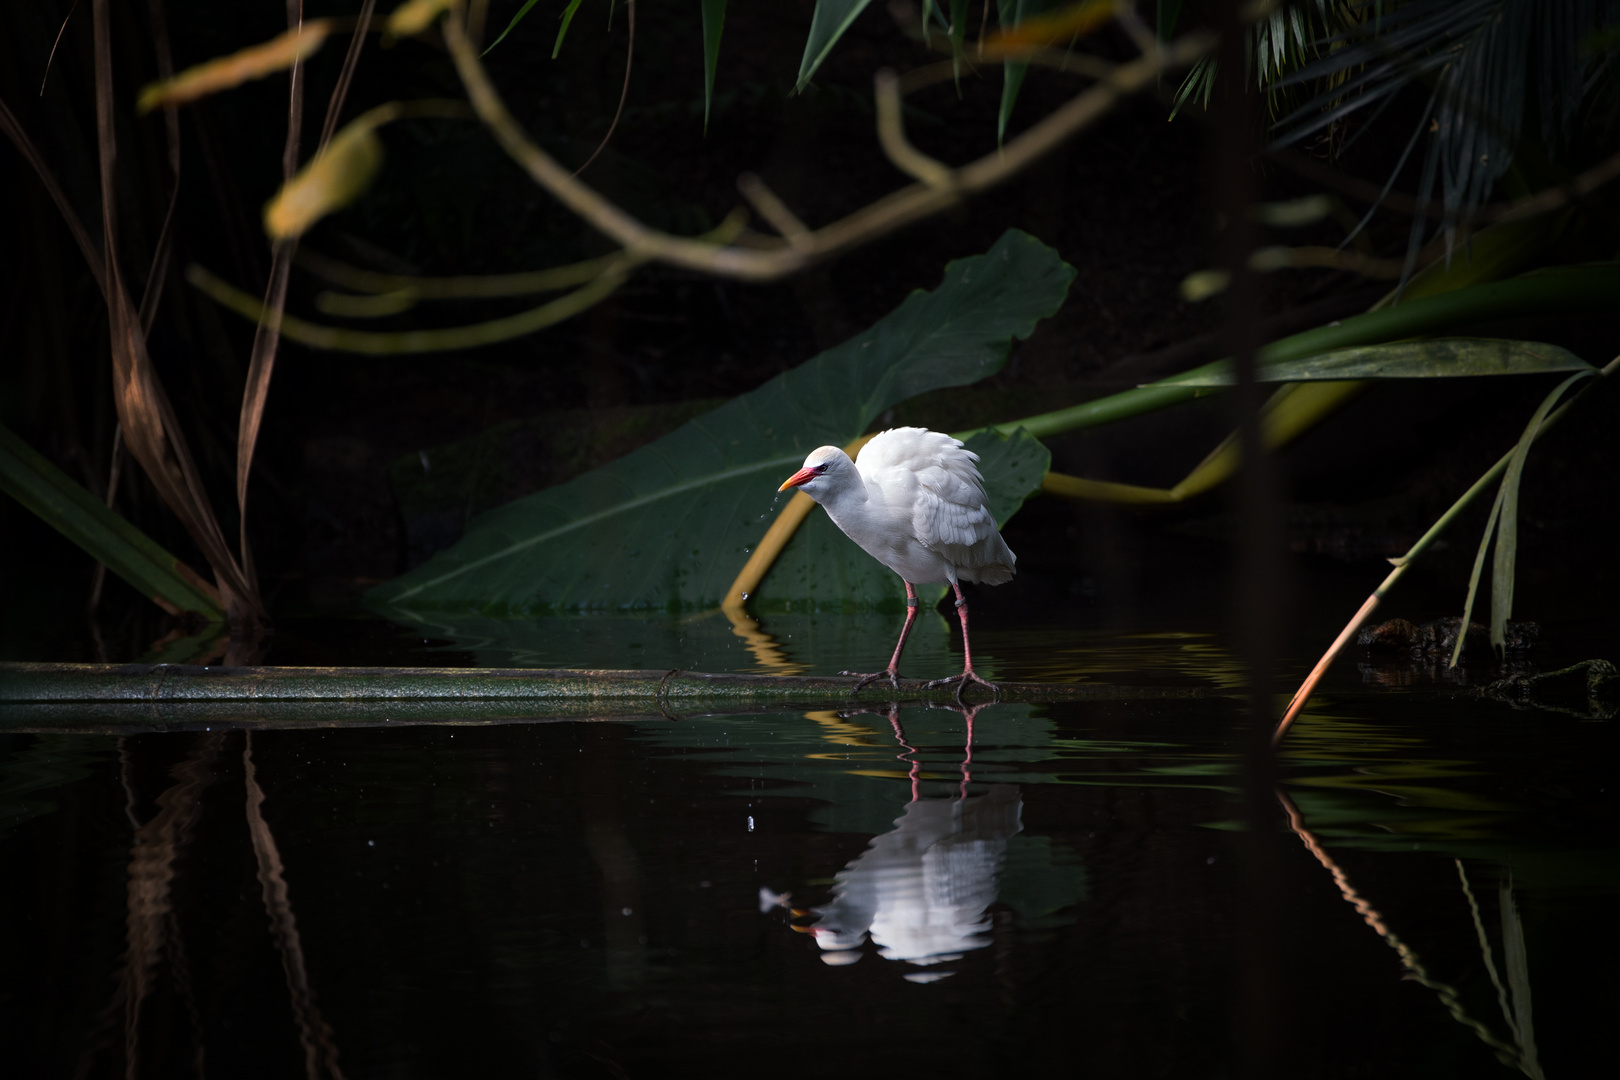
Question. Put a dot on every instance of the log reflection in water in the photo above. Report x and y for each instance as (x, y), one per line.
(313, 1032)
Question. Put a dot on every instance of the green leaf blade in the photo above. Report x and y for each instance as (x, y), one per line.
(1439, 358)
(827, 25)
(714, 22)
(53, 497)
(667, 526)
(562, 31)
(1012, 81)
(1507, 528)
(522, 11)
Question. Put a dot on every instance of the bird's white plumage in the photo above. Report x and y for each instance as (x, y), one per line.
(914, 500)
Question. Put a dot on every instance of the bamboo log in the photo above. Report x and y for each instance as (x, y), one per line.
(125, 697)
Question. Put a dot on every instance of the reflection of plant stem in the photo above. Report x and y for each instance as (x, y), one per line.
(313, 1032)
(1518, 973)
(149, 930)
(1485, 947)
(765, 649)
(1505, 1053)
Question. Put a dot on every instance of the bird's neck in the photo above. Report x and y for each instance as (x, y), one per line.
(847, 501)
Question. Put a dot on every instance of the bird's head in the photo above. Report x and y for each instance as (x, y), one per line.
(823, 470)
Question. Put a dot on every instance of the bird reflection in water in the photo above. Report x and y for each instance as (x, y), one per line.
(921, 891)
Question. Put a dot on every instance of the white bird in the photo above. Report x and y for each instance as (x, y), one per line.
(914, 501)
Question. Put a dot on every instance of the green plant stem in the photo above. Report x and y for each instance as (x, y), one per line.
(1491, 476)
(1551, 292)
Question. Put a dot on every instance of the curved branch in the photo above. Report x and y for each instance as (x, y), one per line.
(391, 343)
(771, 207)
(468, 287)
(624, 92)
(888, 214)
(891, 132)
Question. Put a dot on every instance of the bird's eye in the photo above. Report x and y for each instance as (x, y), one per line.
(821, 468)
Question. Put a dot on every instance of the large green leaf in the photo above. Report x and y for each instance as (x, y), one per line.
(668, 525)
(827, 25)
(1565, 290)
(823, 569)
(78, 515)
(1439, 358)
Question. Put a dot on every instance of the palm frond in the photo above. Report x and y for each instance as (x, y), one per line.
(1282, 42)
(1491, 66)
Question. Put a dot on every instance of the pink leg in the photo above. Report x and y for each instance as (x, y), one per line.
(892, 672)
(967, 762)
(968, 674)
(910, 754)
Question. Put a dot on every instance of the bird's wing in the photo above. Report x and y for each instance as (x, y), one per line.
(948, 508)
(949, 511)
(901, 448)
(935, 480)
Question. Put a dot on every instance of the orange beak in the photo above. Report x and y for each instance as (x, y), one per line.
(798, 478)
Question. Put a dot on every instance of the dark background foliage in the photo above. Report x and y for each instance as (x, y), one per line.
(335, 506)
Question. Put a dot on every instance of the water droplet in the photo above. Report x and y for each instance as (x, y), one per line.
(745, 596)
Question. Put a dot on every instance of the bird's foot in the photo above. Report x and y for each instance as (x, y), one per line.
(891, 674)
(961, 681)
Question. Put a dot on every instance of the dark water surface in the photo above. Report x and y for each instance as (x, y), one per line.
(1017, 890)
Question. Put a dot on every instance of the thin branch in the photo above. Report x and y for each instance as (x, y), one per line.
(774, 210)
(158, 275)
(394, 343)
(45, 78)
(267, 336)
(1542, 202)
(888, 214)
(1353, 262)
(351, 60)
(891, 132)
(151, 428)
(455, 288)
(114, 471)
(624, 92)
(70, 217)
